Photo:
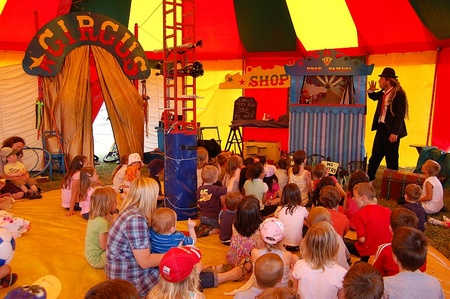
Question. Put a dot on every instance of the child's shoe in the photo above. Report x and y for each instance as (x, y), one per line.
(37, 194)
(8, 280)
(434, 221)
(446, 219)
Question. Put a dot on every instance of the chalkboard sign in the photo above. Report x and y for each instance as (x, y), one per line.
(244, 109)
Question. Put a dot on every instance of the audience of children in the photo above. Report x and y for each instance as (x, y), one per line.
(432, 198)
(318, 275)
(226, 217)
(371, 223)
(330, 197)
(349, 207)
(164, 234)
(231, 178)
(282, 171)
(318, 214)
(363, 281)
(209, 199)
(292, 215)
(16, 172)
(268, 271)
(409, 249)
(202, 160)
(128, 247)
(103, 205)
(88, 182)
(300, 176)
(118, 174)
(412, 196)
(255, 184)
(70, 185)
(113, 289)
(384, 261)
(133, 170)
(179, 275)
(246, 234)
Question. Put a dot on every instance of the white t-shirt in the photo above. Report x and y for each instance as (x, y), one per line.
(318, 284)
(282, 178)
(437, 201)
(118, 179)
(66, 194)
(293, 224)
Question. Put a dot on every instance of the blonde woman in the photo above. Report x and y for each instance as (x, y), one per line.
(128, 246)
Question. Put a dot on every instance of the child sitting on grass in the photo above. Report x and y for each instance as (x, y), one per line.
(412, 196)
(432, 198)
(163, 231)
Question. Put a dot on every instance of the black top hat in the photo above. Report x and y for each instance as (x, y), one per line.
(388, 72)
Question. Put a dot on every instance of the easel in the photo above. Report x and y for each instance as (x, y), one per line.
(244, 109)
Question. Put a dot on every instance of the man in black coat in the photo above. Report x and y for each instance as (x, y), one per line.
(388, 121)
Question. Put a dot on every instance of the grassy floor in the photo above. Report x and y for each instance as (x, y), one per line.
(439, 236)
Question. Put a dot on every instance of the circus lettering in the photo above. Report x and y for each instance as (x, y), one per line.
(57, 38)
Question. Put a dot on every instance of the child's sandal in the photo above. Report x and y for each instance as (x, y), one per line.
(245, 270)
(8, 280)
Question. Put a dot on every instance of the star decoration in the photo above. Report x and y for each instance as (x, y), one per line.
(230, 79)
(242, 81)
(36, 61)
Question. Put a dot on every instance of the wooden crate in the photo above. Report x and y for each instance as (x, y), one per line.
(393, 183)
(268, 149)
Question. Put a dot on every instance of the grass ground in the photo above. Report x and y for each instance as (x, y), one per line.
(439, 236)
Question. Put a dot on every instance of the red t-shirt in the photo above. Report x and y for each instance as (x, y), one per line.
(372, 223)
(340, 222)
(384, 261)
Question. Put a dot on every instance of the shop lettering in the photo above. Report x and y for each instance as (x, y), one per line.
(273, 80)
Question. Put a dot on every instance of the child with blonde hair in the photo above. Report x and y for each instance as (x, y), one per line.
(292, 214)
(70, 185)
(432, 198)
(179, 275)
(318, 214)
(412, 196)
(103, 204)
(164, 234)
(202, 160)
(300, 176)
(318, 275)
(278, 293)
(88, 182)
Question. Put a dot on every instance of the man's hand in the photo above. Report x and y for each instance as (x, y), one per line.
(393, 138)
(372, 85)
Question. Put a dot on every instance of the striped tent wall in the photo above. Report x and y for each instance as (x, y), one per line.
(336, 132)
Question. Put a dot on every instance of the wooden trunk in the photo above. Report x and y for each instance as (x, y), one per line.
(393, 183)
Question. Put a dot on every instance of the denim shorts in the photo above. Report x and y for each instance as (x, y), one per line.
(210, 221)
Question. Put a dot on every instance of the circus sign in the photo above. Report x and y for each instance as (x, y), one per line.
(47, 50)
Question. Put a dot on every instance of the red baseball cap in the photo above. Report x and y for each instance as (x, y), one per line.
(178, 263)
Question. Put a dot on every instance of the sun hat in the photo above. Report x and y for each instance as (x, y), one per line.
(269, 170)
(155, 166)
(134, 157)
(7, 151)
(272, 230)
(178, 263)
(388, 72)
